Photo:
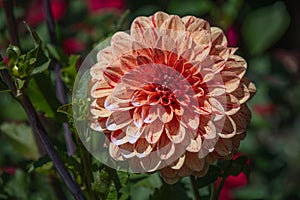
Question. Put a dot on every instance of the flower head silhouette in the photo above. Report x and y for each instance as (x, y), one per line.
(170, 96)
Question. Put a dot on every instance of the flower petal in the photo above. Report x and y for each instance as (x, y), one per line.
(178, 163)
(114, 152)
(195, 144)
(118, 120)
(133, 133)
(175, 131)
(101, 89)
(165, 113)
(153, 131)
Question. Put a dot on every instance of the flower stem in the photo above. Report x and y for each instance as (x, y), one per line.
(218, 191)
(11, 21)
(212, 190)
(60, 87)
(87, 168)
(195, 188)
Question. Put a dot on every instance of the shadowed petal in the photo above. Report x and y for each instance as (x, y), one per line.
(143, 148)
(150, 163)
(118, 137)
(229, 128)
(193, 162)
(224, 147)
(165, 148)
(127, 150)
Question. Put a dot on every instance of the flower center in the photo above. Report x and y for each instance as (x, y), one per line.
(153, 94)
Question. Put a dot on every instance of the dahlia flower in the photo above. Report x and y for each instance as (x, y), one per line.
(170, 96)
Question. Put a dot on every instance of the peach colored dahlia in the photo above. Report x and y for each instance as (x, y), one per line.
(170, 96)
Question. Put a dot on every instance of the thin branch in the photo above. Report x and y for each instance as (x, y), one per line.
(44, 138)
(195, 188)
(60, 87)
(11, 20)
(58, 163)
(50, 21)
(32, 115)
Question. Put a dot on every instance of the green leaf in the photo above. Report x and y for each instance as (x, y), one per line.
(264, 26)
(41, 68)
(174, 192)
(152, 182)
(66, 109)
(190, 7)
(19, 83)
(13, 53)
(69, 72)
(2, 65)
(9, 107)
(23, 186)
(58, 54)
(113, 194)
(42, 97)
(36, 39)
(122, 20)
(3, 87)
(40, 163)
(142, 186)
(102, 184)
(20, 136)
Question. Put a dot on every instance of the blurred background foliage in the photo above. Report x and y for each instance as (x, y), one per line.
(267, 34)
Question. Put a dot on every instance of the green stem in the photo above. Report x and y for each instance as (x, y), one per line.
(87, 169)
(195, 188)
(113, 173)
(218, 191)
(212, 191)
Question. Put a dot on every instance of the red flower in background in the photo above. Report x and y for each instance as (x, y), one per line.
(232, 36)
(8, 170)
(73, 45)
(36, 12)
(97, 5)
(233, 182)
(264, 109)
